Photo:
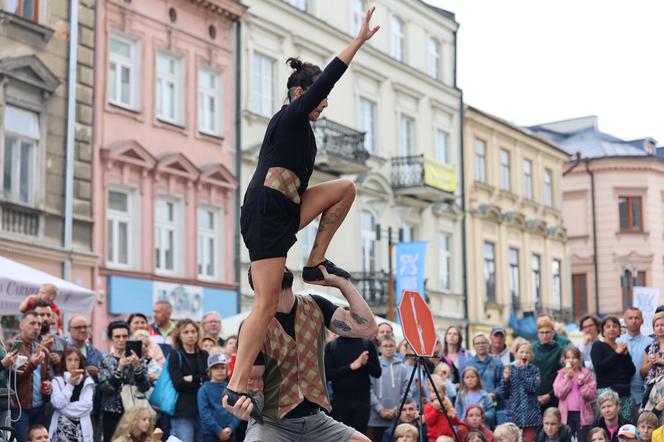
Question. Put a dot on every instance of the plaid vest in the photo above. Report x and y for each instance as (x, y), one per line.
(295, 370)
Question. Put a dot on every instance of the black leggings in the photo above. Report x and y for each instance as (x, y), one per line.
(109, 424)
(352, 414)
(574, 424)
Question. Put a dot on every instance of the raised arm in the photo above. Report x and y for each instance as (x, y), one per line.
(356, 322)
(364, 34)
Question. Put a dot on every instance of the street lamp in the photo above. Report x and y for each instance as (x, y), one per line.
(390, 278)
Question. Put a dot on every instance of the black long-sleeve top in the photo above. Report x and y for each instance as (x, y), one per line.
(350, 385)
(289, 141)
(181, 364)
(612, 369)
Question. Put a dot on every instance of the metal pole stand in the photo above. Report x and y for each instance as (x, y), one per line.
(420, 363)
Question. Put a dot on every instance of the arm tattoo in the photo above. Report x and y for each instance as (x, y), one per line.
(341, 325)
(359, 319)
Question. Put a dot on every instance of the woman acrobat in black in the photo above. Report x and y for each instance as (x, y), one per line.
(278, 202)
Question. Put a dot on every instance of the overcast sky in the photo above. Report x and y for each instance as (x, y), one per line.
(537, 61)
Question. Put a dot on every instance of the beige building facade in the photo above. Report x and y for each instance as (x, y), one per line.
(392, 126)
(39, 225)
(613, 195)
(516, 247)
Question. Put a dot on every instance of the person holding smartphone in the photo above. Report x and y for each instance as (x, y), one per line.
(117, 369)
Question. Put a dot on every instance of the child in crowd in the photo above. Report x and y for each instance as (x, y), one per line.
(627, 433)
(552, 429)
(598, 434)
(406, 433)
(471, 392)
(575, 388)
(646, 424)
(519, 388)
(217, 423)
(437, 423)
(443, 370)
(507, 432)
(207, 343)
(475, 436)
(474, 420)
(47, 293)
(136, 425)
(445, 439)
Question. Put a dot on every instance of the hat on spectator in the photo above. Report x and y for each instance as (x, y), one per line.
(659, 309)
(216, 359)
(498, 330)
(628, 431)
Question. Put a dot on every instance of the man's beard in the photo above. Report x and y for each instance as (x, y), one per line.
(45, 328)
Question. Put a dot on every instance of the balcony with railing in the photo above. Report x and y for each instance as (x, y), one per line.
(19, 220)
(373, 288)
(424, 178)
(561, 314)
(340, 148)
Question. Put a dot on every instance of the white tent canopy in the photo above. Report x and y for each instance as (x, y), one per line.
(231, 325)
(18, 281)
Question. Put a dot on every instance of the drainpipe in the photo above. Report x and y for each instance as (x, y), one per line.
(595, 265)
(238, 157)
(462, 185)
(69, 155)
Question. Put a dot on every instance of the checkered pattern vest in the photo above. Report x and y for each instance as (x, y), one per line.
(295, 370)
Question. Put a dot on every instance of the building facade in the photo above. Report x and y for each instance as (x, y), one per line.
(393, 126)
(46, 211)
(165, 156)
(613, 194)
(516, 240)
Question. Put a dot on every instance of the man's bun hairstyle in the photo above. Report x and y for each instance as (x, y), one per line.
(303, 76)
(286, 281)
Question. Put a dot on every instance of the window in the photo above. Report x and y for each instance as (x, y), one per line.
(367, 123)
(434, 58)
(21, 141)
(557, 288)
(580, 293)
(480, 161)
(118, 228)
(631, 216)
(209, 236)
(442, 148)
(28, 9)
(537, 280)
(170, 97)
(406, 142)
(490, 272)
(358, 9)
(210, 101)
(308, 238)
(528, 179)
(262, 85)
(166, 240)
(628, 281)
(396, 38)
(444, 260)
(299, 4)
(548, 188)
(514, 277)
(368, 242)
(123, 72)
(505, 170)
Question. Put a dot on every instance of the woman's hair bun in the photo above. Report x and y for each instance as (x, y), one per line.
(295, 63)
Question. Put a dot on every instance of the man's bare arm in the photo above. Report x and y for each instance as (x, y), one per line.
(356, 322)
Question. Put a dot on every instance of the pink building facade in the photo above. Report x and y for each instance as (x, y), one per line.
(164, 145)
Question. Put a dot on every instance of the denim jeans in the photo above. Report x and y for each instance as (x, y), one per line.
(186, 429)
(28, 417)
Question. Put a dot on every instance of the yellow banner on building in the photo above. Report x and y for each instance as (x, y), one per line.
(440, 175)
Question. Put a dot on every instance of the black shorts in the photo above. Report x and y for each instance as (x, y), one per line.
(268, 222)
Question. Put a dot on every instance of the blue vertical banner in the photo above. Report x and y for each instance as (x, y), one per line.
(410, 267)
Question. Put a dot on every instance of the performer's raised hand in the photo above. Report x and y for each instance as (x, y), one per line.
(366, 31)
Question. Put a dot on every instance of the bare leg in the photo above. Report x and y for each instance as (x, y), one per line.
(333, 199)
(266, 275)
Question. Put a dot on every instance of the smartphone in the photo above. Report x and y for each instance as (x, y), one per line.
(136, 346)
(16, 345)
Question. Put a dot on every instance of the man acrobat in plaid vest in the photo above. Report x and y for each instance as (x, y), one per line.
(289, 372)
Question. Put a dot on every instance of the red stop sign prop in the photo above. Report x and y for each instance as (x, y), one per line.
(417, 323)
